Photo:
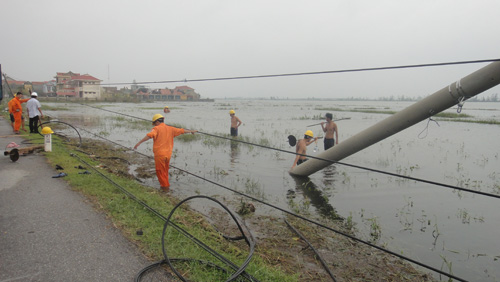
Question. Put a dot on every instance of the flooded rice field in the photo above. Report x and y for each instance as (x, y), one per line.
(455, 231)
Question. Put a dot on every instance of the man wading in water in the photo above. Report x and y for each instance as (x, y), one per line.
(235, 123)
(329, 129)
(302, 147)
(163, 144)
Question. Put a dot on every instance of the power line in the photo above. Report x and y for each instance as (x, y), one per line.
(327, 160)
(309, 73)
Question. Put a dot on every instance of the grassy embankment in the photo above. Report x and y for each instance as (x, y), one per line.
(131, 217)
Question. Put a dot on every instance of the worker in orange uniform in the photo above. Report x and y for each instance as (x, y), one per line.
(163, 144)
(17, 111)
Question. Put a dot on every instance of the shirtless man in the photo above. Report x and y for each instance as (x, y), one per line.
(235, 123)
(301, 147)
(329, 129)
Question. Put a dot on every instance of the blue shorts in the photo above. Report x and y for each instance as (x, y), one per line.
(234, 131)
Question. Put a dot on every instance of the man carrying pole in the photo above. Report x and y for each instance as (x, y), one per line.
(329, 129)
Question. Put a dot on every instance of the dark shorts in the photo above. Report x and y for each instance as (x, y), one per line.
(234, 131)
(12, 117)
(301, 161)
(329, 143)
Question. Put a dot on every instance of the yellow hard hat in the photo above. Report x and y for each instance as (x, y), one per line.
(166, 107)
(47, 130)
(309, 133)
(157, 116)
(231, 112)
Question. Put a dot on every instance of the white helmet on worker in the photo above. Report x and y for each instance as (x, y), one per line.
(34, 94)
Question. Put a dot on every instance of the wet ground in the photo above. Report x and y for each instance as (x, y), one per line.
(447, 229)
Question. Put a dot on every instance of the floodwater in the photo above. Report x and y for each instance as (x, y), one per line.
(451, 230)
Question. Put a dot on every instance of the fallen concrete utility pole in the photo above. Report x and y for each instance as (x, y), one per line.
(456, 93)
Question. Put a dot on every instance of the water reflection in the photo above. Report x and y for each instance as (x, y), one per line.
(318, 200)
(328, 175)
(235, 152)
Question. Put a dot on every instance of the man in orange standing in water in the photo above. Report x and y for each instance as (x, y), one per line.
(17, 111)
(163, 144)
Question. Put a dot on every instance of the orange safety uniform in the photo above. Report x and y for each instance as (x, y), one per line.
(163, 144)
(10, 104)
(17, 111)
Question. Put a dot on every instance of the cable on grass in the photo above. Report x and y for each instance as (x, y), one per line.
(250, 240)
(57, 121)
(313, 249)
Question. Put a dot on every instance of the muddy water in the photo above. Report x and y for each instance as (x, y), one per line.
(449, 230)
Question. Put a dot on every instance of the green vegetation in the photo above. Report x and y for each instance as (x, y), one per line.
(455, 117)
(159, 108)
(452, 115)
(53, 108)
(357, 110)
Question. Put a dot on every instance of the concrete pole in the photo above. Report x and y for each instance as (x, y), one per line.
(457, 92)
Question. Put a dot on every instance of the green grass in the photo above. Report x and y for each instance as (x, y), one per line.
(452, 115)
(130, 216)
(46, 107)
(159, 108)
(358, 110)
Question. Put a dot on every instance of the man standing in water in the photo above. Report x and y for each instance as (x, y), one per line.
(235, 123)
(301, 147)
(163, 144)
(329, 129)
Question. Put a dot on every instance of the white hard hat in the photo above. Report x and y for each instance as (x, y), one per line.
(33, 94)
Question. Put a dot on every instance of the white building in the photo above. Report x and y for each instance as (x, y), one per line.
(75, 85)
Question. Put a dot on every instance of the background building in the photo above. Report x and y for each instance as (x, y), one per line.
(75, 85)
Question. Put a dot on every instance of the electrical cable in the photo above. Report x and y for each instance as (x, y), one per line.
(329, 161)
(178, 228)
(250, 241)
(309, 73)
(56, 121)
(313, 249)
(305, 219)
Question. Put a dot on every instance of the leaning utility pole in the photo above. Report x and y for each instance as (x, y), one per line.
(456, 93)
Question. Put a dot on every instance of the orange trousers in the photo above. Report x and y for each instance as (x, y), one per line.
(162, 164)
(17, 120)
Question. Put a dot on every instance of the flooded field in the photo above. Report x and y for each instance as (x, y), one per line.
(451, 230)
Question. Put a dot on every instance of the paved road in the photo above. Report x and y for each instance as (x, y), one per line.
(50, 233)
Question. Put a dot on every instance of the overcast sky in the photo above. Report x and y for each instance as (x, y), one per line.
(156, 40)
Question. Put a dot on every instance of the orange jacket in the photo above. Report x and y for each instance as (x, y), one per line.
(163, 139)
(11, 103)
(15, 104)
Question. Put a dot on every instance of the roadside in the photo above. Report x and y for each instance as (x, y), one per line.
(49, 232)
